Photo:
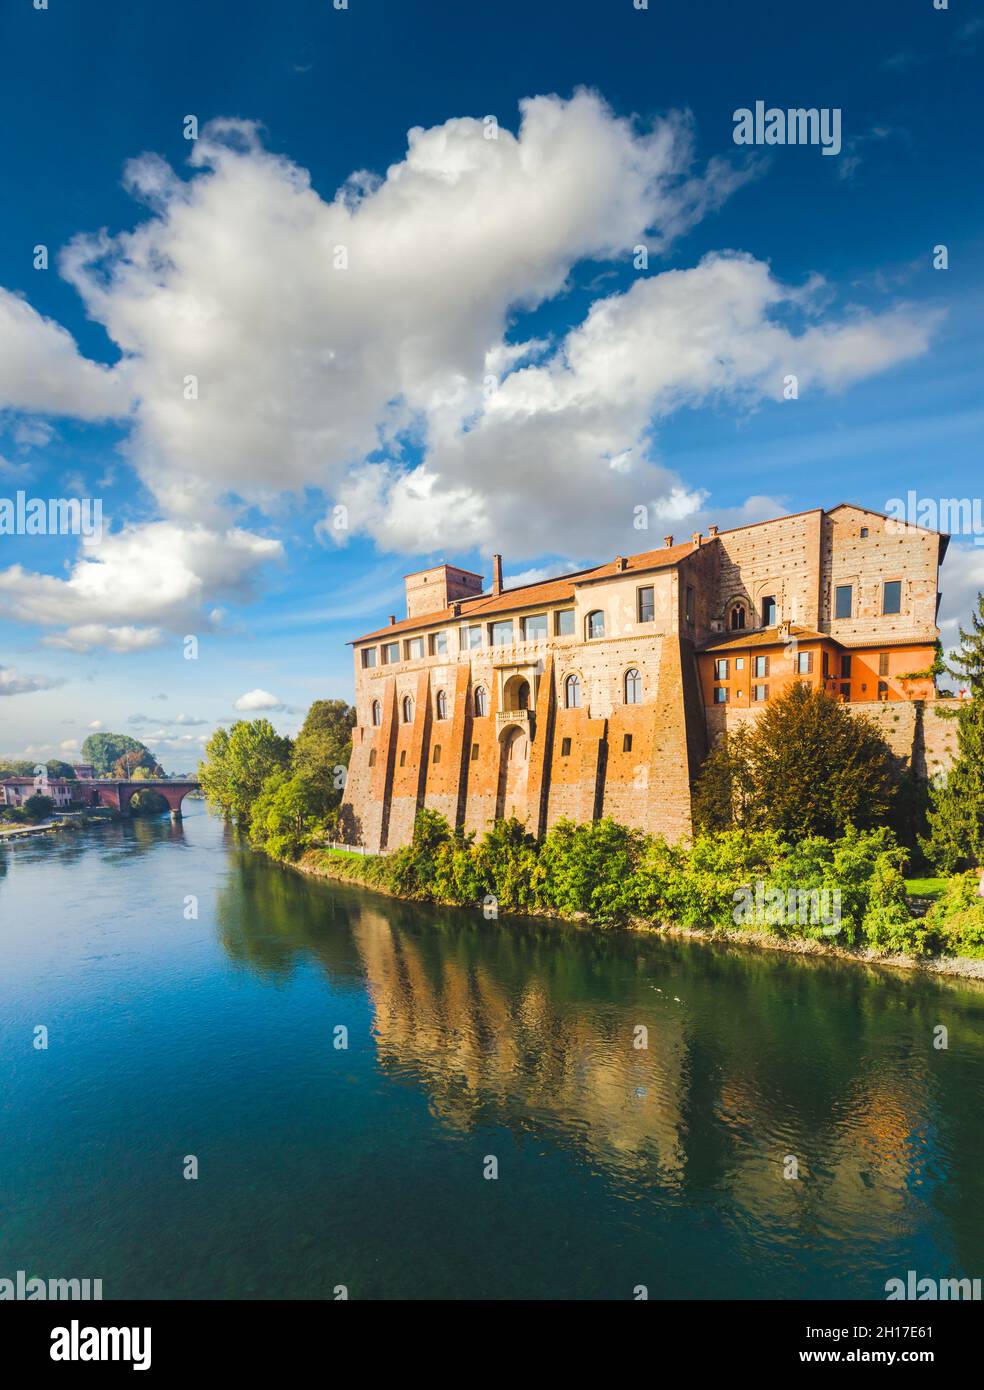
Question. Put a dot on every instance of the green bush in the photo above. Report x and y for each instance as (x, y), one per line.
(848, 892)
(956, 919)
(589, 869)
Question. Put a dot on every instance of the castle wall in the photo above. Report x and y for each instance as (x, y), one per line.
(607, 757)
(778, 558)
(911, 556)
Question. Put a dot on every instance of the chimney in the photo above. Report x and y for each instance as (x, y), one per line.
(497, 574)
(696, 538)
(392, 619)
(712, 530)
(668, 541)
(619, 564)
(456, 608)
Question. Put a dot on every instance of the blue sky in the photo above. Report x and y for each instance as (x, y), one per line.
(508, 260)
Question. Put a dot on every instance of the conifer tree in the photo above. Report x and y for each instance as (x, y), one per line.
(956, 816)
(967, 664)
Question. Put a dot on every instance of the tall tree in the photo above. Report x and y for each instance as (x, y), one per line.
(322, 751)
(808, 766)
(967, 662)
(956, 815)
(105, 751)
(237, 764)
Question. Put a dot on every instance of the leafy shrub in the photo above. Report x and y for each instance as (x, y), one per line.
(956, 919)
(589, 868)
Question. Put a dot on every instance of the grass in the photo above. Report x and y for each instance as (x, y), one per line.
(925, 887)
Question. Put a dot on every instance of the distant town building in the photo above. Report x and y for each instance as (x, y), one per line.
(599, 693)
(14, 791)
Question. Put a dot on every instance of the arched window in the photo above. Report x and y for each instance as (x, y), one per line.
(737, 617)
(377, 714)
(572, 692)
(595, 624)
(633, 687)
(407, 710)
(481, 701)
(442, 705)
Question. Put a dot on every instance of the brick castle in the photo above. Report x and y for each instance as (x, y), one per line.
(599, 693)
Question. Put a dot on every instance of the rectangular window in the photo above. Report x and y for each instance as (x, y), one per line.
(535, 628)
(843, 600)
(769, 611)
(804, 663)
(720, 694)
(437, 753)
(501, 633)
(864, 533)
(372, 757)
(739, 663)
(892, 596)
(882, 690)
(846, 664)
(761, 666)
(368, 658)
(565, 748)
(439, 644)
(826, 665)
(415, 648)
(391, 653)
(647, 604)
(471, 638)
(760, 693)
(883, 663)
(403, 758)
(564, 622)
(474, 752)
(721, 669)
(689, 607)
(626, 743)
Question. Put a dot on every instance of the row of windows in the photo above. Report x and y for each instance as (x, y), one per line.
(722, 694)
(565, 751)
(891, 599)
(502, 633)
(760, 665)
(802, 665)
(843, 605)
(631, 689)
(435, 755)
(761, 692)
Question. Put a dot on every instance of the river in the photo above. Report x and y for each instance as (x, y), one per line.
(473, 1048)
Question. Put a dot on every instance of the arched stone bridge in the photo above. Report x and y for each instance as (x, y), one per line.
(108, 791)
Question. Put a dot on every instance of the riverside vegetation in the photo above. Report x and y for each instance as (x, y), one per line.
(808, 801)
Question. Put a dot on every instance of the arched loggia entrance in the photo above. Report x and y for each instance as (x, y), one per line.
(514, 769)
(516, 693)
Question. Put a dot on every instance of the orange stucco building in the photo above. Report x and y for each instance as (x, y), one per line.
(599, 693)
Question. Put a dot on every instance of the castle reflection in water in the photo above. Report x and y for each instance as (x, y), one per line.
(751, 1060)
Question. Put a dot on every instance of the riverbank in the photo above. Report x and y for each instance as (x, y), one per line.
(12, 831)
(369, 872)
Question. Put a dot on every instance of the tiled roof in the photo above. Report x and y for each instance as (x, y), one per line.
(545, 591)
(770, 637)
(902, 641)
(764, 637)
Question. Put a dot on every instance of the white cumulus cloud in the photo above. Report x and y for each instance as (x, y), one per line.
(125, 591)
(42, 370)
(254, 700)
(328, 337)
